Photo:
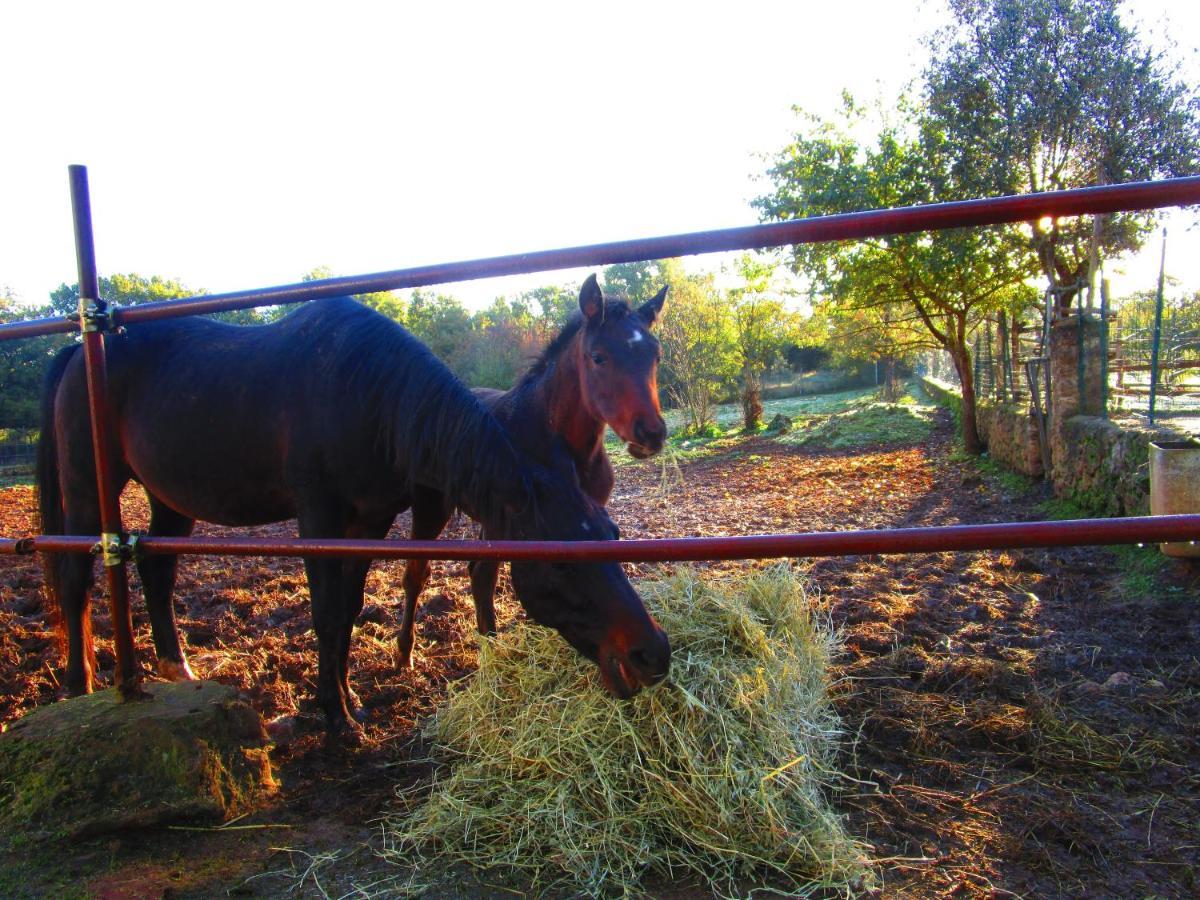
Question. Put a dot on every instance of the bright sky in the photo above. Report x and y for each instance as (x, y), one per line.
(240, 145)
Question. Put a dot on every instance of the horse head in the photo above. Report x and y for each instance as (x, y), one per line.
(591, 605)
(618, 364)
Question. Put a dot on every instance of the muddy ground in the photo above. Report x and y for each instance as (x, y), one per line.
(1027, 722)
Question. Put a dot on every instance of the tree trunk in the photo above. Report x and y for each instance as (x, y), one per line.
(891, 384)
(752, 408)
(972, 443)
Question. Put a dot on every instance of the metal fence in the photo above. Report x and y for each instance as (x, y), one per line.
(95, 318)
(18, 450)
(1151, 372)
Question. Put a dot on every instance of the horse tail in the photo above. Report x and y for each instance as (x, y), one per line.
(49, 490)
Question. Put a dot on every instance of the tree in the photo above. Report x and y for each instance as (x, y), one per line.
(1037, 95)
(440, 322)
(945, 281)
(885, 335)
(635, 280)
(765, 328)
(22, 365)
(555, 304)
(699, 345)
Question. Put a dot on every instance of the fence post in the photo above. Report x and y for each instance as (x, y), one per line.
(94, 322)
(1157, 337)
(1104, 348)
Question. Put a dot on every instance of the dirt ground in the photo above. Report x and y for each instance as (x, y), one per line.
(1026, 723)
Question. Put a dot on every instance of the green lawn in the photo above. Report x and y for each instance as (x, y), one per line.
(854, 418)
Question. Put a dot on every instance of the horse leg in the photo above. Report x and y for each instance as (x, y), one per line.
(158, 583)
(76, 579)
(430, 513)
(354, 579)
(484, 573)
(323, 520)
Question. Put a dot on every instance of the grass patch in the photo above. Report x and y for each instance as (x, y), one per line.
(718, 776)
(1000, 475)
(842, 420)
(866, 422)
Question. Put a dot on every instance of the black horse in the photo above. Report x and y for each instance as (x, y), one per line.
(337, 417)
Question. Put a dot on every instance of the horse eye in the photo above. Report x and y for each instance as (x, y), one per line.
(599, 358)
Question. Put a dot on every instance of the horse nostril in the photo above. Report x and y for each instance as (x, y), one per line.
(651, 437)
(652, 663)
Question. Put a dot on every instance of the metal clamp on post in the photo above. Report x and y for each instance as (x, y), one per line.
(93, 315)
(24, 546)
(110, 549)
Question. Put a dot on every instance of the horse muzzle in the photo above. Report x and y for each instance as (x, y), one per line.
(647, 439)
(625, 672)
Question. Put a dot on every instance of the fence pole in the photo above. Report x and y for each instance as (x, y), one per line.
(94, 322)
(1157, 337)
(1103, 348)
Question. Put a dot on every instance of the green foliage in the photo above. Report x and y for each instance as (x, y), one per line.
(866, 422)
(635, 279)
(823, 421)
(699, 340)
(901, 293)
(438, 320)
(22, 363)
(765, 328)
(1037, 95)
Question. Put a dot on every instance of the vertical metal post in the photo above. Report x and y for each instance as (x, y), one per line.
(94, 321)
(1007, 389)
(1103, 347)
(1080, 361)
(1157, 338)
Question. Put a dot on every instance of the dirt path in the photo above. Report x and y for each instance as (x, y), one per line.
(1026, 720)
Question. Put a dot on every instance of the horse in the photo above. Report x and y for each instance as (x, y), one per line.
(600, 369)
(339, 418)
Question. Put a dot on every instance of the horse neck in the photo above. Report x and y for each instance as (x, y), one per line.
(567, 411)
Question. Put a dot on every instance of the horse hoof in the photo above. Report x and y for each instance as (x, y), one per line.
(175, 671)
(404, 658)
(347, 734)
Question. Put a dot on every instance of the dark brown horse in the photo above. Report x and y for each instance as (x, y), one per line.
(602, 368)
(339, 418)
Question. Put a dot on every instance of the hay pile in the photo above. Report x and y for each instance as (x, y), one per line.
(716, 776)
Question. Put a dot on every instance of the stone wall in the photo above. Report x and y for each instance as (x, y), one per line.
(1011, 435)
(1109, 471)
(1108, 463)
(1074, 391)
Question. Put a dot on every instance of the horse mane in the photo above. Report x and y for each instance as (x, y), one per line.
(429, 424)
(614, 308)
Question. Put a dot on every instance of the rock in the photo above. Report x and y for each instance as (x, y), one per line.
(94, 764)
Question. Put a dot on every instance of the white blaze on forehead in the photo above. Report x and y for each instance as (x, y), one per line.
(635, 336)
(586, 526)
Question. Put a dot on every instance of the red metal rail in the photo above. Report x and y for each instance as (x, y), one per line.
(1004, 535)
(872, 223)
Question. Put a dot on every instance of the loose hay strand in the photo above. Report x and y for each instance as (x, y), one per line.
(721, 773)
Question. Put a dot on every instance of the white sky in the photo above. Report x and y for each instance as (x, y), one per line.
(240, 145)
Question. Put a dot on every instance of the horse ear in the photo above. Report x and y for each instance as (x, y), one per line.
(591, 300)
(650, 310)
